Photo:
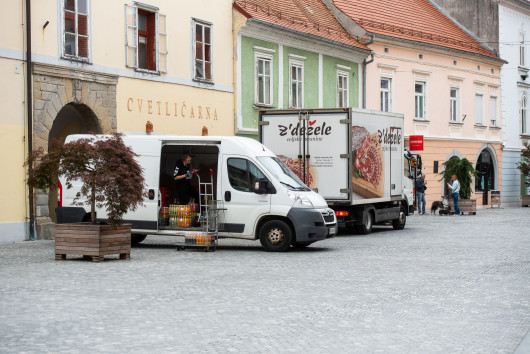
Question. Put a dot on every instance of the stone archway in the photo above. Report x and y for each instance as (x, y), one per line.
(71, 119)
(68, 101)
(487, 172)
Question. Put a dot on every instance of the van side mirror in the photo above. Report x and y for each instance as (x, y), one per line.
(264, 186)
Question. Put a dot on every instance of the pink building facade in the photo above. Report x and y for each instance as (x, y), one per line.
(453, 101)
(442, 79)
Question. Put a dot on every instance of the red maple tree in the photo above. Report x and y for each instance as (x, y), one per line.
(110, 175)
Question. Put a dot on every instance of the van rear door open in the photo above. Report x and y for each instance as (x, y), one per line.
(146, 216)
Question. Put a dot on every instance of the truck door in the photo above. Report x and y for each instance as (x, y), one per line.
(243, 205)
(396, 163)
(315, 145)
(146, 216)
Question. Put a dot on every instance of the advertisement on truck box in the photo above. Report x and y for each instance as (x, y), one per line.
(344, 154)
(313, 147)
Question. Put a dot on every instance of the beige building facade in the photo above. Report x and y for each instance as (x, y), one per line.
(99, 66)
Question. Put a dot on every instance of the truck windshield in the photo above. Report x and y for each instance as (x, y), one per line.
(282, 173)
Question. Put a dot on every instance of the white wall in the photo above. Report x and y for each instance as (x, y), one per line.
(511, 23)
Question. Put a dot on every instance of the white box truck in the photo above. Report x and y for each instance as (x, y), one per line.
(262, 198)
(354, 158)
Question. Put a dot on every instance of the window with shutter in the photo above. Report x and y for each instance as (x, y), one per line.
(146, 38)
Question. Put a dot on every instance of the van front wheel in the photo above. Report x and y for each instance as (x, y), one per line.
(275, 236)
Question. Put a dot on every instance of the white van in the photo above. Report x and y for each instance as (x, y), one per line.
(261, 197)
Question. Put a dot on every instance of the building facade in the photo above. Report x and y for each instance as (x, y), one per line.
(514, 34)
(102, 67)
(291, 56)
(503, 26)
(444, 81)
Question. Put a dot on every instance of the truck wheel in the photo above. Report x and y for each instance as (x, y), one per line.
(399, 224)
(136, 239)
(366, 227)
(275, 236)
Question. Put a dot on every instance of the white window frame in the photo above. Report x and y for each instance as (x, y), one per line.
(344, 92)
(194, 23)
(522, 51)
(423, 96)
(493, 110)
(299, 82)
(261, 55)
(454, 105)
(524, 115)
(385, 92)
(131, 37)
(479, 109)
(63, 33)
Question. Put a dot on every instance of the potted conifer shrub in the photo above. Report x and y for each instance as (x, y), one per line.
(465, 172)
(524, 167)
(111, 178)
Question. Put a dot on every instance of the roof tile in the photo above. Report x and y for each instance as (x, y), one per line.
(306, 16)
(414, 20)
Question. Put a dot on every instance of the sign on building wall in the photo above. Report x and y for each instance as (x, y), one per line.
(416, 142)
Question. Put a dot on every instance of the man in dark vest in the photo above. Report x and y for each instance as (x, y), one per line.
(182, 175)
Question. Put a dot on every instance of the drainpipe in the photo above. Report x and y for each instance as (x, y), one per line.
(364, 69)
(29, 105)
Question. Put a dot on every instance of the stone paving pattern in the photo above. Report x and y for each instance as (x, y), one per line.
(445, 284)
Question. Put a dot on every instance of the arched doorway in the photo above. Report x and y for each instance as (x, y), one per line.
(485, 180)
(71, 119)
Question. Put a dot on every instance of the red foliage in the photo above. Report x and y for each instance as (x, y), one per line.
(107, 168)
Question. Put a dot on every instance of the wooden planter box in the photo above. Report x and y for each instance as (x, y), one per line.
(526, 200)
(465, 205)
(92, 241)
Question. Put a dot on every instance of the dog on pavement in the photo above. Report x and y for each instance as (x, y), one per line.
(435, 206)
(442, 207)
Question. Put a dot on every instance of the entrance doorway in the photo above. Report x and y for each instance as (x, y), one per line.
(485, 180)
(71, 119)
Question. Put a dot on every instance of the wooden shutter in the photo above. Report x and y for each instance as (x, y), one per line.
(162, 43)
(131, 36)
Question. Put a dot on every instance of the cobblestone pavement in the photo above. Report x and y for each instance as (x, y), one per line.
(445, 284)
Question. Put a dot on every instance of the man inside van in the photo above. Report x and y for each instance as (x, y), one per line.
(182, 175)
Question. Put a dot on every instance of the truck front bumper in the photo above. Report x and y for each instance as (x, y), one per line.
(308, 224)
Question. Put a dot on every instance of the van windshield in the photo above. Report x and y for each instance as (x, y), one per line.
(282, 173)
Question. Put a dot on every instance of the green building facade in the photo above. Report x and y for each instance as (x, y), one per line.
(280, 69)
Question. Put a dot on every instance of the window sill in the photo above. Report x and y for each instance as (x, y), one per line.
(482, 126)
(261, 105)
(203, 81)
(77, 59)
(421, 120)
(456, 123)
(524, 136)
(495, 127)
(145, 71)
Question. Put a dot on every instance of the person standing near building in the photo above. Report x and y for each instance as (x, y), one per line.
(420, 193)
(455, 191)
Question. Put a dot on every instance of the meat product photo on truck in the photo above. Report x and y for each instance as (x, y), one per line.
(352, 157)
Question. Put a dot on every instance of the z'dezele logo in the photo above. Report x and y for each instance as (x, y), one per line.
(389, 136)
(312, 130)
